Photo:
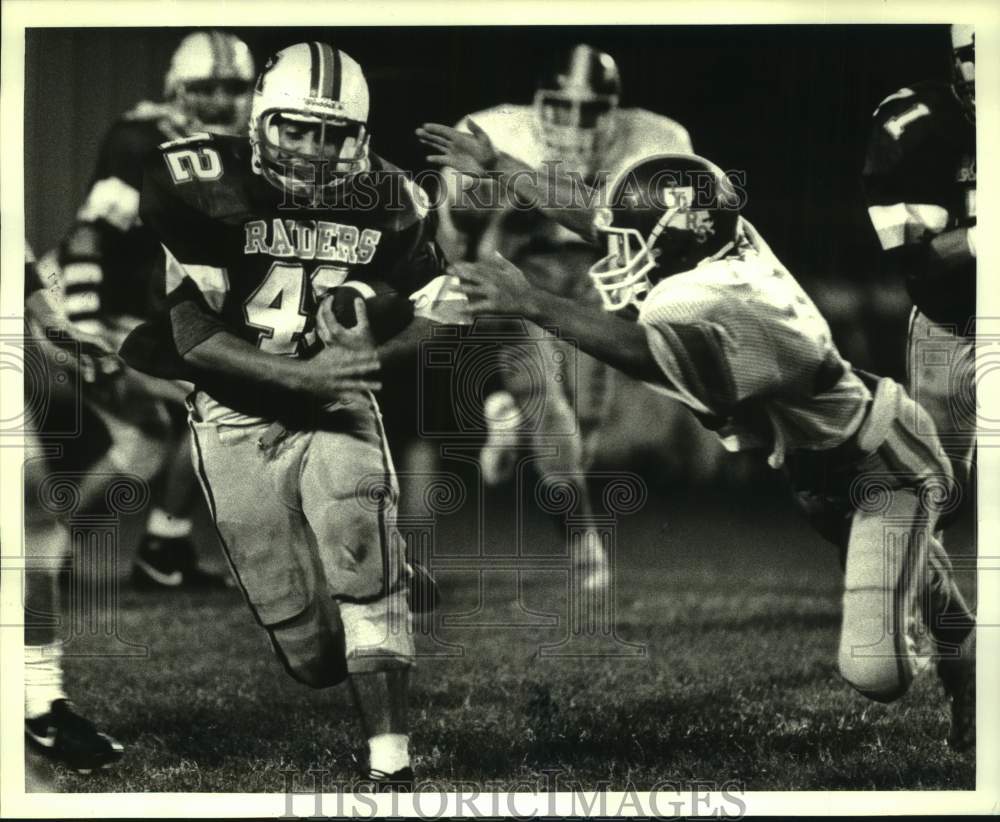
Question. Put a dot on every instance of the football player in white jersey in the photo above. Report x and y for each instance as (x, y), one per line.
(575, 123)
(713, 318)
(110, 267)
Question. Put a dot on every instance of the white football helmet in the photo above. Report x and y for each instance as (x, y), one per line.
(963, 49)
(209, 81)
(322, 91)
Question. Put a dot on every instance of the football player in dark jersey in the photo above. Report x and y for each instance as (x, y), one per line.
(52, 726)
(920, 183)
(111, 269)
(288, 440)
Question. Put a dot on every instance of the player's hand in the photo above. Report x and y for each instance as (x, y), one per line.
(494, 286)
(349, 359)
(471, 154)
(98, 360)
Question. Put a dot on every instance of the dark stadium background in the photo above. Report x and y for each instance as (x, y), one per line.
(789, 105)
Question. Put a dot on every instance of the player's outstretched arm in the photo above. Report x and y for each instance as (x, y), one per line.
(556, 194)
(497, 286)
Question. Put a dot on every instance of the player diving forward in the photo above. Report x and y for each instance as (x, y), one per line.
(577, 124)
(111, 270)
(288, 439)
(719, 324)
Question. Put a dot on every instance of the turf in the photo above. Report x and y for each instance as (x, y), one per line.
(733, 601)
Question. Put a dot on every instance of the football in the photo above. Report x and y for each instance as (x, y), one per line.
(389, 312)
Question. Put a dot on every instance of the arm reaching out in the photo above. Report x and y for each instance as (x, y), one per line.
(557, 195)
(498, 287)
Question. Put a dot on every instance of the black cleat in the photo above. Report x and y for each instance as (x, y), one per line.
(423, 593)
(171, 564)
(958, 676)
(400, 781)
(64, 736)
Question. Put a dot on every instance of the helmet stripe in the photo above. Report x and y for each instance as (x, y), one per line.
(315, 69)
(222, 54)
(336, 75)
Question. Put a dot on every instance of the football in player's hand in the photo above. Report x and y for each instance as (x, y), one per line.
(389, 312)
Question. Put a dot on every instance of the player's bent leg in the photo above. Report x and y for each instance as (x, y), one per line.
(252, 495)
(311, 645)
(348, 490)
(884, 577)
(941, 373)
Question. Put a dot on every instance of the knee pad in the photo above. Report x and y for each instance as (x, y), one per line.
(885, 581)
(311, 646)
(378, 635)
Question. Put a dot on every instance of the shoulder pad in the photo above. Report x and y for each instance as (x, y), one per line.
(207, 172)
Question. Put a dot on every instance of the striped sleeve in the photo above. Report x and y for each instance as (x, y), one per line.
(715, 354)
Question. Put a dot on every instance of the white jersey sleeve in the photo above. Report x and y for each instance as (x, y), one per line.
(740, 341)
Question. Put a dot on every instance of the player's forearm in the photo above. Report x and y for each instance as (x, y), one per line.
(620, 343)
(559, 196)
(226, 355)
(404, 345)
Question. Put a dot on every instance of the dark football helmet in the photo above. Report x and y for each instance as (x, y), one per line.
(575, 105)
(963, 49)
(662, 216)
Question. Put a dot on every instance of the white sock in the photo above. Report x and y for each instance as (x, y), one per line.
(164, 525)
(43, 680)
(389, 752)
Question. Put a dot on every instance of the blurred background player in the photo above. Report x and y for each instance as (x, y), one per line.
(575, 122)
(111, 270)
(53, 727)
(920, 185)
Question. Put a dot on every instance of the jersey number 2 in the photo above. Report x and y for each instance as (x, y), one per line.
(277, 308)
(194, 164)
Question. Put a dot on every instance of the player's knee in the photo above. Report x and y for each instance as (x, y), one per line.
(882, 679)
(378, 635)
(311, 648)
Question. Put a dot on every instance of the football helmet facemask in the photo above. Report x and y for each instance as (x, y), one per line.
(575, 105)
(963, 49)
(209, 81)
(309, 121)
(664, 215)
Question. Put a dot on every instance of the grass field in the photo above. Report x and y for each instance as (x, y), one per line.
(734, 600)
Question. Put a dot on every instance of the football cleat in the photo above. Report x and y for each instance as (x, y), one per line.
(170, 564)
(423, 592)
(64, 736)
(378, 781)
(958, 676)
